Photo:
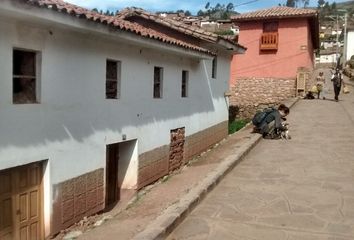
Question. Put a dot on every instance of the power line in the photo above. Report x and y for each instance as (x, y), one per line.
(245, 3)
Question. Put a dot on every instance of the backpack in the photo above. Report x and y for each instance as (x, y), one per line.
(259, 117)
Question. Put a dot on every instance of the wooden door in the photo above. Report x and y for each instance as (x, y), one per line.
(112, 187)
(23, 216)
(6, 207)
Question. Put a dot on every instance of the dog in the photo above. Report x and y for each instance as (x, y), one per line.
(284, 134)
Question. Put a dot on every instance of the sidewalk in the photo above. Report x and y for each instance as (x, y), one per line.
(159, 208)
(294, 190)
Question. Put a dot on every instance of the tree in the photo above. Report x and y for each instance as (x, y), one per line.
(230, 7)
(200, 13)
(217, 7)
(207, 5)
(321, 3)
(187, 13)
(180, 11)
(290, 3)
(334, 7)
(306, 3)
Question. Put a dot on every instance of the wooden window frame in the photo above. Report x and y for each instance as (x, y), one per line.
(22, 80)
(269, 39)
(214, 67)
(158, 82)
(113, 79)
(184, 83)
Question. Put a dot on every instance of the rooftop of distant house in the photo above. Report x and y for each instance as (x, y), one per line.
(122, 21)
(275, 13)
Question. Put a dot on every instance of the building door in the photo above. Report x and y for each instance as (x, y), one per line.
(21, 203)
(112, 186)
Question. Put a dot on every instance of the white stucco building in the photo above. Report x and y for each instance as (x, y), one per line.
(92, 105)
(328, 56)
(350, 43)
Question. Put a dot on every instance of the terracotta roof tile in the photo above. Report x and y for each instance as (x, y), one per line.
(275, 12)
(194, 31)
(115, 21)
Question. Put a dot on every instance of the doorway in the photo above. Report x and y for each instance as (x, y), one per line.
(112, 169)
(21, 202)
(121, 172)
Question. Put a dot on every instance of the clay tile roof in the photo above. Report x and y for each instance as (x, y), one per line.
(114, 21)
(275, 12)
(179, 26)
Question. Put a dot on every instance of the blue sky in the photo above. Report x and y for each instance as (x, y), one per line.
(172, 5)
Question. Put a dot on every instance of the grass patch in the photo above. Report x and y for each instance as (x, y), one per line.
(236, 125)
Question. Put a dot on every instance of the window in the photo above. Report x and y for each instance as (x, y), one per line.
(112, 79)
(158, 71)
(185, 76)
(24, 77)
(270, 27)
(214, 67)
(270, 37)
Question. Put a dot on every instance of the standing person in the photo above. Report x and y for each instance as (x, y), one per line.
(337, 80)
(320, 84)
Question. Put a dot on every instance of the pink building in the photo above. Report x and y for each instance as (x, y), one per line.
(279, 40)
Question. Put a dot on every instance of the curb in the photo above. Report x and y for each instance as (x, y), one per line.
(176, 213)
(349, 83)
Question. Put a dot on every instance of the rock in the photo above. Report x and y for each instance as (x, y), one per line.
(72, 235)
(98, 223)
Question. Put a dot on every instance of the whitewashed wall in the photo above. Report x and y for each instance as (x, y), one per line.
(328, 58)
(73, 122)
(350, 44)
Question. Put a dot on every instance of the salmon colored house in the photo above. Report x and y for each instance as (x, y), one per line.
(279, 40)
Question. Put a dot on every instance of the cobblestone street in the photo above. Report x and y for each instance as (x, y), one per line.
(287, 190)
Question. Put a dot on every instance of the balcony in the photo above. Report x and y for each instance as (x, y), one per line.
(269, 41)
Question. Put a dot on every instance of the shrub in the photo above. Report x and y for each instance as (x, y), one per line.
(236, 125)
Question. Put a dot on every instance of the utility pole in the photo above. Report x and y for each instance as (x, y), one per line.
(337, 41)
(345, 40)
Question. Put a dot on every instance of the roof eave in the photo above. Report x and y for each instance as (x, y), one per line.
(272, 17)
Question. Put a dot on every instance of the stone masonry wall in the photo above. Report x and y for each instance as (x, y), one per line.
(252, 94)
(203, 140)
(76, 198)
(176, 149)
(156, 163)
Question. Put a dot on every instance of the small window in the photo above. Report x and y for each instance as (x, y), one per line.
(112, 79)
(214, 68)
(185, 77)
(270, 27)
(24, 77)
(158, 71)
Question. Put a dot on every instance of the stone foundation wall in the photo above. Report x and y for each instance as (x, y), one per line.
(153, 165)
(252, 94)
(201, 141)
(76, 198)
(156, 163)
(176, 159)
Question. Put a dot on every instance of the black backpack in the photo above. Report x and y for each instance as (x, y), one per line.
(259, 117)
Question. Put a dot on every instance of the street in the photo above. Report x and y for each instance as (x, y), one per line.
(288, 190)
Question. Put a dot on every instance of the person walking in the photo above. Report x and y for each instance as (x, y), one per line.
(337, 80)
(320, 84)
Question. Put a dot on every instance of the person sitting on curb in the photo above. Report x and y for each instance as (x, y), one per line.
(269, 122)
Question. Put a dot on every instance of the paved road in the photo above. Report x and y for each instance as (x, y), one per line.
(302, 189)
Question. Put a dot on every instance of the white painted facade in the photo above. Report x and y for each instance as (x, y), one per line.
(328, 58)
(73, 121)
(350, 44)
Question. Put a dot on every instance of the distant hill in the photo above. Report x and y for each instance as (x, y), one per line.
(346, 5)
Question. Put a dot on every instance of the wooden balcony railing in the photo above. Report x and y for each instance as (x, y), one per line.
(269, 41)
